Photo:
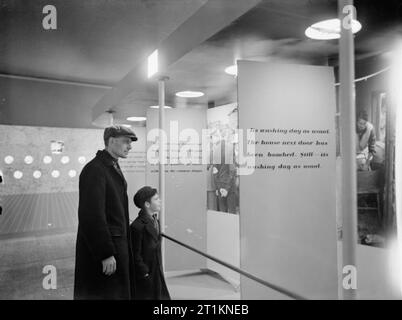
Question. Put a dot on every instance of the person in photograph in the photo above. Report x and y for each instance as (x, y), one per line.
(366, 141)
(378, 162)
(225, 183)
(224, 173)
(146, 243)
(104, 262)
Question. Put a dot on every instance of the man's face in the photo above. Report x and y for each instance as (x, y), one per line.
(154, 203)
(120, 146)
(361, 124)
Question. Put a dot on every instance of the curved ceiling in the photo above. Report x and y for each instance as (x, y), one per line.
(96, 41)
(104, 42)
(273, 30)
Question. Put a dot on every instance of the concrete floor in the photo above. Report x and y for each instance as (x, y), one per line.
(200, 285)
(22, 261)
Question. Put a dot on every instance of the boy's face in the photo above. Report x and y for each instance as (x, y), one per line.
(154, 205)
(361, 124)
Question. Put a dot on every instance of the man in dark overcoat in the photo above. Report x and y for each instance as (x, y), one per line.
(146, 238)
(104, 263)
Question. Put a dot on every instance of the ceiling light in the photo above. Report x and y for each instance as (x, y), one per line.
(189, 94)
(82, 159)
(126, 125)
(72, 173)
(329, 29)
(232, 70)
(9, 159)
(18, 174)
(47, 159)
(28, 159)
(55, 173)
(136, 118)
(157, 107)
(37, 174)
(65, 159)
(153, 64)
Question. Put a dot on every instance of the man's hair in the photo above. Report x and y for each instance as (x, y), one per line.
(106, 140)
(362, 115)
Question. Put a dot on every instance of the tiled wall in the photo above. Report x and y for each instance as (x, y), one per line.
(39, 218)
(40, 188)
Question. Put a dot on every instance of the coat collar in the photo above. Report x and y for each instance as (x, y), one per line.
(149, 225)
(106, 158)
(145, 216)
(109, 161)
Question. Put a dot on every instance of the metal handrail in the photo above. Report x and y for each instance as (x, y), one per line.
(244, 273)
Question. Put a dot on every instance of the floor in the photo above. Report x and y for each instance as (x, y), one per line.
(22, 262)
(200, 285)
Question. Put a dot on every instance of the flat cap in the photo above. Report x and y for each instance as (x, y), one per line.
(144, 194)
(119, 131)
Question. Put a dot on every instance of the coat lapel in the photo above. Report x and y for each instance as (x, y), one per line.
(108, 161)
(149, 225)
(120, 173)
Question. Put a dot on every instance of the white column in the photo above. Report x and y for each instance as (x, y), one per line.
(348, 144)
(162, 157)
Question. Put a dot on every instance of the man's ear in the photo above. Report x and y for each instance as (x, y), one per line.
(108, 141)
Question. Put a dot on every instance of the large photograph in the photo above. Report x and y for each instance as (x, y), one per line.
(375, 162)
(223, 178)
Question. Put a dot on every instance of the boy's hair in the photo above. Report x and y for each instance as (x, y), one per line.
(362, 115)
(144, 195)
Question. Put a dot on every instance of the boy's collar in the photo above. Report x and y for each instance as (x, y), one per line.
(150, 214)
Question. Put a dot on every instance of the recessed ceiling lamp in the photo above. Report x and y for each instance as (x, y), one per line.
(9, 159)
(18, 174)
(153, 64)
(189, 94)
(232, 70)
(136, 118)
(82, 159)
(329, 29)
(157, 107)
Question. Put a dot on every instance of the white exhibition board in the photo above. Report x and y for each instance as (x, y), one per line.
(185, 206)
(287, 205)
(223, 242)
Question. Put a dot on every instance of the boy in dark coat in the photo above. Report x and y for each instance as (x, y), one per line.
(146, 243)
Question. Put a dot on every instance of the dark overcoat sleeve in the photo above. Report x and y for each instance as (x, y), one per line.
(92, 214)
(137, 236)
